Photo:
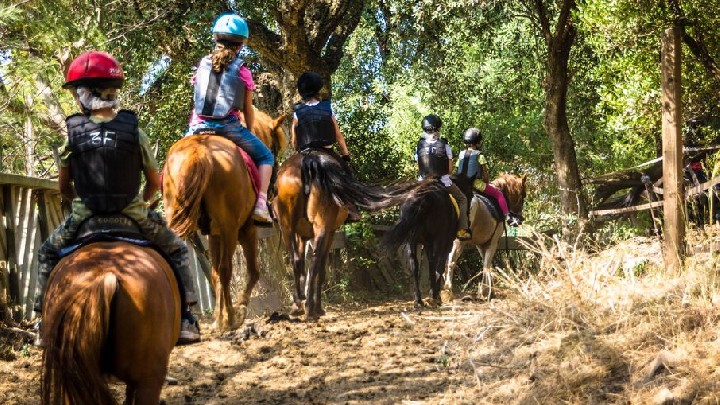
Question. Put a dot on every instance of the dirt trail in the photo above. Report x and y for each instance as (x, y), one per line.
(385, 353)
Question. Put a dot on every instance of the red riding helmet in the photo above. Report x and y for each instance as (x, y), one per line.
(95, 69)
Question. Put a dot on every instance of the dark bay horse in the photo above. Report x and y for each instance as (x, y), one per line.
(313, 190)
(111, 308)
(428, 217)
(207, 173)
(487, 230)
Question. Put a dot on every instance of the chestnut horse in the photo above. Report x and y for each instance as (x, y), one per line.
(111, 308)
(207, 172)
(313, 190)
(487, 230)
(428, 218)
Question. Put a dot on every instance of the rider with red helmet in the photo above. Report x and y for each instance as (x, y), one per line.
(223, 101)
(100, 168)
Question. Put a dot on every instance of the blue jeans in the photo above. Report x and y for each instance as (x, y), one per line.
(234, 130)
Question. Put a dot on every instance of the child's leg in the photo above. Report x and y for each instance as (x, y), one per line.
(175, 249)
(48, 257)
(493, 192)
(260, 154)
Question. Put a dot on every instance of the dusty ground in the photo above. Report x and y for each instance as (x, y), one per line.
(385, 353)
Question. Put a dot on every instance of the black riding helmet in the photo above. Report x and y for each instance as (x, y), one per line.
(431, 123)
(472, 136)
(309, 85)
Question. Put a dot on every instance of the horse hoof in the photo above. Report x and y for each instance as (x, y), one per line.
(446, 295)
(297, 310)
(419, 304)
(433, 302)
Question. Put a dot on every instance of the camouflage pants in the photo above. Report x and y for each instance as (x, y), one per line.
(152, 229)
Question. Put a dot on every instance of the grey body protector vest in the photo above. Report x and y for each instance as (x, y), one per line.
(432, 158)
(468, 165)
(105, 161)
(315, 127)
(218, 93)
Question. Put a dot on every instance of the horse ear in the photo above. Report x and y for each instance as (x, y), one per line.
(524, 177)
(279, 120)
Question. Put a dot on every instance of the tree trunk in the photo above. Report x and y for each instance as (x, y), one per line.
(556, 125)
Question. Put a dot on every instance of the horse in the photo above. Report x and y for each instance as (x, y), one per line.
(487, 230)
(428, 217)
(313, 189)
(205, 179)
(111, 308)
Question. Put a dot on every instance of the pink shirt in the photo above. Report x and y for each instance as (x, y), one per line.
(246, 77)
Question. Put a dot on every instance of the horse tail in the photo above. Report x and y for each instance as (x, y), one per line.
(188, 194)
(325, 172)
(77, 334)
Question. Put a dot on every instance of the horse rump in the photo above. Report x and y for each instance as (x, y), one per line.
(426, 213)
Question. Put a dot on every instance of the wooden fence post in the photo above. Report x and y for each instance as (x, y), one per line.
(673, 206)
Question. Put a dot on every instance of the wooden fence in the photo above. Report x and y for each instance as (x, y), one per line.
(31, 210)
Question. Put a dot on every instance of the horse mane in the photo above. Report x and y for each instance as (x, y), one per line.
(270, 131)
(512, 186)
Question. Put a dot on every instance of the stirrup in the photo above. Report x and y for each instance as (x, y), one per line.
(464, 234)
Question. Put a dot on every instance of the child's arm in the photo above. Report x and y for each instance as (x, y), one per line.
(340, 138)
(249, 111)
(293, 139)
(484, 171)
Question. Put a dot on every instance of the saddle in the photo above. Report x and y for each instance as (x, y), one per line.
(106, 228)
(117, 228)
(491, 204)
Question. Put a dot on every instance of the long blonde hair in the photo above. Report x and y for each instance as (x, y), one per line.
(223, 54)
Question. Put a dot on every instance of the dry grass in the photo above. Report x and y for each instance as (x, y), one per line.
(610, 327)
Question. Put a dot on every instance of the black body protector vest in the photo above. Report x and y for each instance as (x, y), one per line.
(315, 127)
(106, 161)
(432, 158)
(468, 165)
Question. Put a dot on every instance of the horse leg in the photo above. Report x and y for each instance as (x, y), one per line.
(248, 241)
(297, 247)
(485, 287)
(147, 393)
(457, 249)
(435, 273)
(222, 249)
(313, 305)
(411, 250)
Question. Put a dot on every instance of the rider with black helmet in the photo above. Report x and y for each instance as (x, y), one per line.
(434, 157)
(100, 168)
(315, 126)
(472, 164)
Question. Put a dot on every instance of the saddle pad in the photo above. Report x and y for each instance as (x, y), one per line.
(491, 205)
(252, 170)
(455, 204)
(103, 237)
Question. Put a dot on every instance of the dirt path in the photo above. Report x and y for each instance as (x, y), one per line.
(385, 353)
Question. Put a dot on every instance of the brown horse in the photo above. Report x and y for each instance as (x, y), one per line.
(111, 309)
(486, 231)
(207, 172)
(313, 190)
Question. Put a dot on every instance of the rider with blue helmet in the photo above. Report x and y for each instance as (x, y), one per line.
(223, 101)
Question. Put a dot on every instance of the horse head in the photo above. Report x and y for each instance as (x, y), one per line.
(270, 131)
(514, 188)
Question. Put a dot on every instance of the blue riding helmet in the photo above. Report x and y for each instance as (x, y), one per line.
(231, 24)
